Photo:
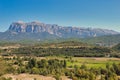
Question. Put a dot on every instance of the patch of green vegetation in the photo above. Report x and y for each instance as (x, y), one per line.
(3, 66)
(74, 67)
(90, 62)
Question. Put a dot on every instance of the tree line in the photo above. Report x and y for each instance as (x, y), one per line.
(76, 52)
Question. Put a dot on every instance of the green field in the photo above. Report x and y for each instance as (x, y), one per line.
(90, 62)
(93, 62)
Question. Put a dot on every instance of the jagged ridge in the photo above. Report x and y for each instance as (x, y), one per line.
(59, 31)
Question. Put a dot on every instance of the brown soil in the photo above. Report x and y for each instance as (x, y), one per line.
(31, 77)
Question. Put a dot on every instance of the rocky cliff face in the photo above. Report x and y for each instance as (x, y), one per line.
(60, 31)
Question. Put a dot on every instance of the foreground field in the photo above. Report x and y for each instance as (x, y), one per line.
(31, 77)
(59, 68)
(28, 77)
(93, 62)
(90, 62)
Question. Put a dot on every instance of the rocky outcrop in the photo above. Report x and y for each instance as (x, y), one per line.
(60, 31)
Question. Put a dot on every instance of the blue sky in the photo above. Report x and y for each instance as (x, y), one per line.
(80, 13)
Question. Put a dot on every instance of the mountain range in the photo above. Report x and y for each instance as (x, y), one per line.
(41, 31)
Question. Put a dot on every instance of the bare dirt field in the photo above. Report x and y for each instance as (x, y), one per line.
(31, 77)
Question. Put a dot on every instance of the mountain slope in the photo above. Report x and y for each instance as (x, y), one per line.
(10, 36)
(109, 40)
(41, 31)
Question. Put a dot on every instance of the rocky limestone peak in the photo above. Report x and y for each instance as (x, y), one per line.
(35, 23)
(18, 23)
(60, 31)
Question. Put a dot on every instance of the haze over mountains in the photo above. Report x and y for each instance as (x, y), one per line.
(40, 31)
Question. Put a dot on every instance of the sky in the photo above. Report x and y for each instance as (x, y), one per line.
(78, 13)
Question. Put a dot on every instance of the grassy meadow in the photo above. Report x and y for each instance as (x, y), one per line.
(90, 62)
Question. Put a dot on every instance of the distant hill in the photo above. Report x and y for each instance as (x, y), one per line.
(117, 47)
(64, 44)
(38, 31)
(109, 40)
